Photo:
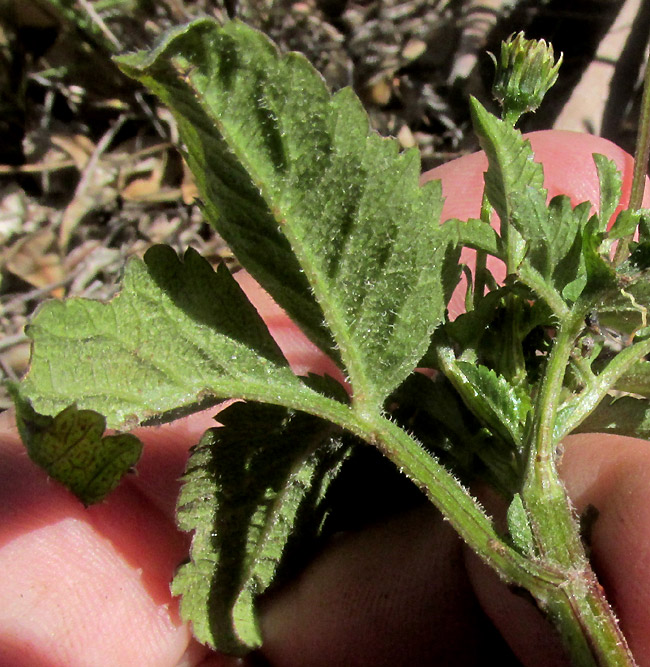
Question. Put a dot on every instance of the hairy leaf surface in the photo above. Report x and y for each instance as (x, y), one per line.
(498, 404)
(178, 337)
(284, 166)
(255, 494)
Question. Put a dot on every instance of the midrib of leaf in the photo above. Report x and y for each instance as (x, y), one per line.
(364, 232)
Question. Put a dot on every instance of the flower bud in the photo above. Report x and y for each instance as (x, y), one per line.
(524, 73)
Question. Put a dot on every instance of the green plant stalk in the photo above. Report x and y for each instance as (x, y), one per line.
(444, 491)
(570, 595)
(588, 626)
(459, 507)
(641, 154)
(598, 388)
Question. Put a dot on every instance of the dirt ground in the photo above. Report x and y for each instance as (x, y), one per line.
(90, 173)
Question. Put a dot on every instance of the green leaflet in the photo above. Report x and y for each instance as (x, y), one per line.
(502, 407)
(283, 166)
(476, 234)
(610, 181)
(498, 403)
(255, 493)
(626, 223)
(178, 337)
(567, 262)
(519, 526)
(72, 449)
(546, 238)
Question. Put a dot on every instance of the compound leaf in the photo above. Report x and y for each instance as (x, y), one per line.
(289, 171)
(255, 493)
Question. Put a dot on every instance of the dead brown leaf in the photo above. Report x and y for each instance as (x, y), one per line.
(31, 259)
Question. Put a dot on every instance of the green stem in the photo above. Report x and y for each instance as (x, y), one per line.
(588, 400)
(584, 618)
(543, 493)
(641, 154)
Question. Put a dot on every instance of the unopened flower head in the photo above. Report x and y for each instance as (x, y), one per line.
(524, 73)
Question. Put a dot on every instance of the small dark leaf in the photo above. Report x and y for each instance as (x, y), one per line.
(519, 526)
(72, 449)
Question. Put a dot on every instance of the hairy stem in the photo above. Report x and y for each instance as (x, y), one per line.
(581, 612)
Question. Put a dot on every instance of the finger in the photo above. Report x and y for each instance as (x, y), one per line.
(83, 586)
(392, 595)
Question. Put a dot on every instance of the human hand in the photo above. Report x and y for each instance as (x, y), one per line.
(90, 586)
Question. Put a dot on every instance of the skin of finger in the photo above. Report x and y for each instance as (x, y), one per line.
(393, 595)
(83, 586)
(158, 457)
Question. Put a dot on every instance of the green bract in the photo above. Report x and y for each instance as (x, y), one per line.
(525, 71)
(330, 219)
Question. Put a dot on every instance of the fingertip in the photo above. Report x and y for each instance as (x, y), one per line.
(84, 586)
